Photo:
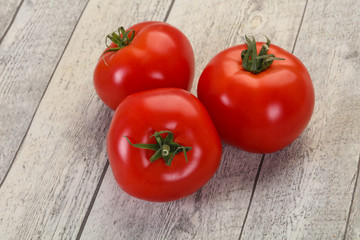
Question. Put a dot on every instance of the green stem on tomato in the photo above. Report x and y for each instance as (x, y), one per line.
(164, 148)
(121, 39)
(253, 62)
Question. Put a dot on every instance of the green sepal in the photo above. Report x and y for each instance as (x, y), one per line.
(165, 148)
(253, 62)
(143, 146)
(121, 39)
(159, 139)
(156, 155)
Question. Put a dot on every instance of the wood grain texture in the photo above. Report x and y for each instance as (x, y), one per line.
(29, 54)
(305, 191)
(7, 14)
(218, 210)
(222, 24)
(57, 169)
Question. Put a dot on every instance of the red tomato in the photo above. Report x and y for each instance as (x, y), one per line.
(158, 56)
(143, 114)
(262, 112)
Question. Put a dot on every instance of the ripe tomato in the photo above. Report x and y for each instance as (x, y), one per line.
(157, 55)
(257, 112)
(152, 119)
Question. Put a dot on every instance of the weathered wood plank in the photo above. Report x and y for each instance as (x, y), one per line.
(57, 169)
(305, 191)
(7, 14)
(217, 211)
(29, 54)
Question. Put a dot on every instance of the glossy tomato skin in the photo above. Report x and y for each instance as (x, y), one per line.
(260, 113)
(159, 56)
(142, 114)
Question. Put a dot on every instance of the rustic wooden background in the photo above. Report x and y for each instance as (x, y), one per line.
(55, 179)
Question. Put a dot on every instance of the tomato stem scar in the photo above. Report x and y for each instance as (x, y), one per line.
(253, 62)
(164, 148)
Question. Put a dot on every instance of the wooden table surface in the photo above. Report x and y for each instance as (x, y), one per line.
(55, 179)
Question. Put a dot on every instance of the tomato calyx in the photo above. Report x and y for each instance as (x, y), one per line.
(253, 62)
(121, 39)
(164, 148)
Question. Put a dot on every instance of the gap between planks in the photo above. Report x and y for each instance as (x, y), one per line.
(169, 10)
(41, 98)
(11, 22)
(252, 194)
(257, 174)
(87, 214)
(263, 156)
(301, 23)
(352, 198)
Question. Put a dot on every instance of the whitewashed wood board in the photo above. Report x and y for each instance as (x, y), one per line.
(7, 14)
(60, 185)
(218, 210)
(29, 53)
(306, 190)
(56, 172)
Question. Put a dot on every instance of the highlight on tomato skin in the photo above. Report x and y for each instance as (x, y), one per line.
(148, 55)
(259, 96)
(162, 145)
